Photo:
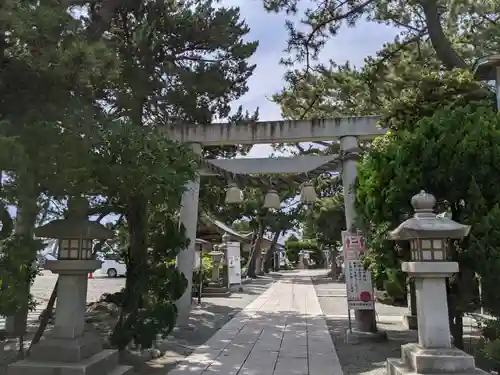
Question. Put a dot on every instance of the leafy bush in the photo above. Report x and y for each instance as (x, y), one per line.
(206, 273)
(160, 286)
(17, 272)
(395, 285)
(488, 348)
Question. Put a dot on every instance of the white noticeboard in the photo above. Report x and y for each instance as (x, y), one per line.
(234, 262)
(358, 280)
(197, 260)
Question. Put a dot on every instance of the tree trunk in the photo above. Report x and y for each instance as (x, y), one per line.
(442, 45)
(137, 277)
(45, 318)
(270, 253)
(455, 316)
(333, 268)
(25, 224)
(255, 253)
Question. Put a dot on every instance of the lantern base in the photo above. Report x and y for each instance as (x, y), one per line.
(410, 321)
(357, 337)
(64, 350)
(103, 363)
(80, 356)
(418, 360)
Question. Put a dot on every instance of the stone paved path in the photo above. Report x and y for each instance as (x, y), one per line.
(282, 332)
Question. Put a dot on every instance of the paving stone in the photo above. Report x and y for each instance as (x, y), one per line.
(291, 366)
(283, 332)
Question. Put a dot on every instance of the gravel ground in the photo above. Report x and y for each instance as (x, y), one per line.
(367, 358)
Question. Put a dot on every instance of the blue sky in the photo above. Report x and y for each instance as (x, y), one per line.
(351, 44)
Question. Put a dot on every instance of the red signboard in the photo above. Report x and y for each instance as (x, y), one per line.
(355, 243)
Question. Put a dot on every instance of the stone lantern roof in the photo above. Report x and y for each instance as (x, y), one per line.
(485, 68)
(426, 224)
(76, 225)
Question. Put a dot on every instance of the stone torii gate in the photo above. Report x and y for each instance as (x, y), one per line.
(348, 130)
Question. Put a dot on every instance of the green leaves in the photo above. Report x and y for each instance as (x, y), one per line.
(129, 160)
(182, 61)
(325, 220)
(17, 272)
(456, 30)
(453, 153)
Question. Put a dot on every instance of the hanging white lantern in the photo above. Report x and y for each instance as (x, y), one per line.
(308, 193)
(234, 195)
(272, 200)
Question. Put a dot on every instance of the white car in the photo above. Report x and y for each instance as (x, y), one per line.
(113, 268)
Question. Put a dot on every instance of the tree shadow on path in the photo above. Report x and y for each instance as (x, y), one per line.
(204, 321)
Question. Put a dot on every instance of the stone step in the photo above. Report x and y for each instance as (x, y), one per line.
(215, 288)
(216, 293)
(101, 363)
(122, 370)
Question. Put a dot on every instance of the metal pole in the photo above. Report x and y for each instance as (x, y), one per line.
(480, 287)
(200, 277)
(349, 319)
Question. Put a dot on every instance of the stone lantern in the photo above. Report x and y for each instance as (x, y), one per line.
(429, 266)
(216, 261)
(225, 238)
(215, 287)
(223, 246)
(70, 347)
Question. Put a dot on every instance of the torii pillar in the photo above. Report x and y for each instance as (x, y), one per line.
(364, 319)
(188, 217)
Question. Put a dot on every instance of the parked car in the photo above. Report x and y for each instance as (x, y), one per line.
(113, 268)
(42, 258)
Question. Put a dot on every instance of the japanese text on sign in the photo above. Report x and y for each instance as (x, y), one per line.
(354, 246)
(358, 280)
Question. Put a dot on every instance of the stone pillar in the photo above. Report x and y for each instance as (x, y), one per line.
(300, 263)
(433, 311)
(349, 173)
(70, 307)
(189, 218)
(276, 261)
(365, 321)
(215, 272)
(258, 260)
(262, 259)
